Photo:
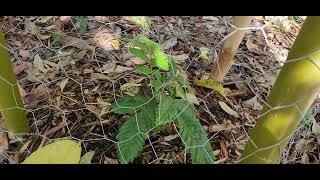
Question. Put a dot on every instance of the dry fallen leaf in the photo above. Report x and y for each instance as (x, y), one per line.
(63, 84)
(252, 103)
(121, 69)
(171, 137)
(169, 43)
(24, 53)
(180, 58)
(108, 67)
(38, 63)
(77, 42)
(30, 27)
(99, 76)
(4, 142)
(110, 161)
(316, 130)
(228, 110)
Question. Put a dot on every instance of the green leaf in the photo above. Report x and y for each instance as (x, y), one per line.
(193, 134)
(139, 54)
(82, 23)
(145, 70)
(57, 38)
(132, 135)
(180, 92)
(166, 110)
(130, 141)
(156, 84)
(173, 68)
(161, 60)
(126, 104)
(141, 21)
(211, 84)
(60, 152)
(151, 45)
(87, 157)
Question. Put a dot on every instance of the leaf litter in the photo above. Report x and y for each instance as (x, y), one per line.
(83, 74)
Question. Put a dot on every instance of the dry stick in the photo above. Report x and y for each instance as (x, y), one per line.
(229, 48)
(298, 83)
(14, 117)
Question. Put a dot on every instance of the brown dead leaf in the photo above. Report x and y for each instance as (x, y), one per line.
(21, 90)
(252, 103)
(169, 43)
(171, 137)
(220, 127)
(121, 69)
(110, 161)
(104, 38)
(24, 53)
(224, 149)
(30, 26)
(316, 130)
(77, 42)
(108, 67)
(134, 61)
(63, 84)
(99, 76)
(228, 110)
(38, 63)
(19, 69)
(4, 142)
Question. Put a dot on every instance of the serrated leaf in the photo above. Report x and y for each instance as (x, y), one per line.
(145, 70)
(60, 152)
(211, 84)
(87, 157)
(141, 21)
(139, 54)
(130, 141)
(166, 110)
(161, 60)
(132, 135)
(193, 135)
(127, 104)
(228, 110)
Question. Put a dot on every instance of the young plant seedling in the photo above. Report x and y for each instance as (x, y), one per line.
(172, 101)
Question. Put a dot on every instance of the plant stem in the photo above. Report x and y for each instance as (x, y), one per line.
(229, 48)
(296, 87)
(11, 103)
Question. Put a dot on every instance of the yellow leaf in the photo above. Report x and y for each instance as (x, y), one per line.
(210, 84)
(60, 152)
(115, 44)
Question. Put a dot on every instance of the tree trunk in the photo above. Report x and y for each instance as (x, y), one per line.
(14, 118)
(229, 48)
(295, 89)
